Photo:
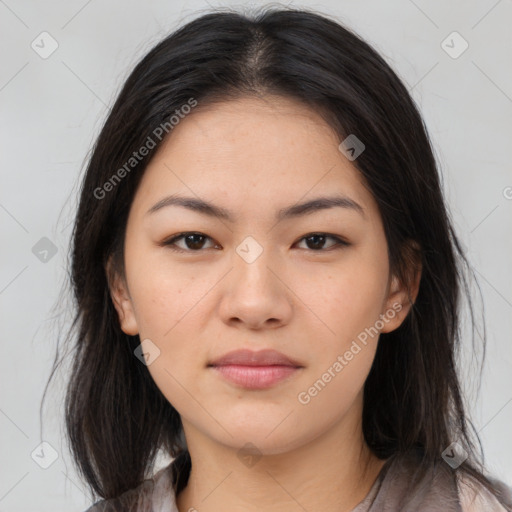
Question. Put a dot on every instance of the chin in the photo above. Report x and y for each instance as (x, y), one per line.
(261, 440)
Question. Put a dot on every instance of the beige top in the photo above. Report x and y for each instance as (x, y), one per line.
(446, 491)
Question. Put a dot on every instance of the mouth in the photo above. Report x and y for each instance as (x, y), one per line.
(255, 377)
(255, 370)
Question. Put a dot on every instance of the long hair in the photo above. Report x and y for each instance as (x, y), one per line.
(116, 417)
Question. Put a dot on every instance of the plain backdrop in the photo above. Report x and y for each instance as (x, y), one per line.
(53, 106)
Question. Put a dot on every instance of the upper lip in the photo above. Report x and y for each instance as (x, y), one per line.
(247, 357)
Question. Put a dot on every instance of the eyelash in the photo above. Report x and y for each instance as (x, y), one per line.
(170, 243)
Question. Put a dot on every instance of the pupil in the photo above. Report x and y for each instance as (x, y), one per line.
(193, 244)
(322, 239)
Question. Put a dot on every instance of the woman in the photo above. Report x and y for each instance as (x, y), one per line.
(268, 284)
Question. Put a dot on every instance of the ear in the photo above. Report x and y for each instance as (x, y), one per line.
(402, 295)
(121, 300)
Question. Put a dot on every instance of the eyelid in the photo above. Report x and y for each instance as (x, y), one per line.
(169, 242)
(340, 241)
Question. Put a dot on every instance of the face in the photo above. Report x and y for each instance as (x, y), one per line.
(313, 284)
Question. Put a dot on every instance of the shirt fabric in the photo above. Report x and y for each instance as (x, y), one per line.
(441, 490)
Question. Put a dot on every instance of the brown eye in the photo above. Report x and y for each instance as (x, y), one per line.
(316, 241)
(194, 242)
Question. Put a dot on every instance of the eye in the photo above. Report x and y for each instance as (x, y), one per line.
(316, 241)
(194, 242)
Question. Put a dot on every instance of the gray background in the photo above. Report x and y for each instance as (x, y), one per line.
(52, 109)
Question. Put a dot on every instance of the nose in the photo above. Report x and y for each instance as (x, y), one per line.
(255, 294)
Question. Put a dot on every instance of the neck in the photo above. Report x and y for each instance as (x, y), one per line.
(333, 472)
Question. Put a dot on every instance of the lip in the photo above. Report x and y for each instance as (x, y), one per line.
(247, 357)
(255, 370)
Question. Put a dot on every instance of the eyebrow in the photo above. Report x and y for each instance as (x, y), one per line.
(296, 210)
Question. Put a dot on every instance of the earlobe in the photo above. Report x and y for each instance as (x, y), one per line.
(397, 306)
(402, 295)
(122, 302)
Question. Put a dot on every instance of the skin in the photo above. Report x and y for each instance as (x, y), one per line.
(255, 156)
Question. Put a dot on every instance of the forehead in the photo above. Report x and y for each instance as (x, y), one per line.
(252, 153)
(253, 125)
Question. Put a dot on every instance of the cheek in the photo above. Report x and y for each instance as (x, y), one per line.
(163, 294)
(169, 306)
(346, 300)
(349, 304)
(167, 309)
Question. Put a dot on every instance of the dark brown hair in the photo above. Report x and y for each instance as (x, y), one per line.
(116, 417)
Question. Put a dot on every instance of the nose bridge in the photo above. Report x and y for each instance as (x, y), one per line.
(252, 260)
(254, 293)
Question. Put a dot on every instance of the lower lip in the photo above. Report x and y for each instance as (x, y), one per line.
(255, 377)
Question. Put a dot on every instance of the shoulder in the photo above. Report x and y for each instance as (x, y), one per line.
(475, 497)
(439, 488)
(154, 494)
